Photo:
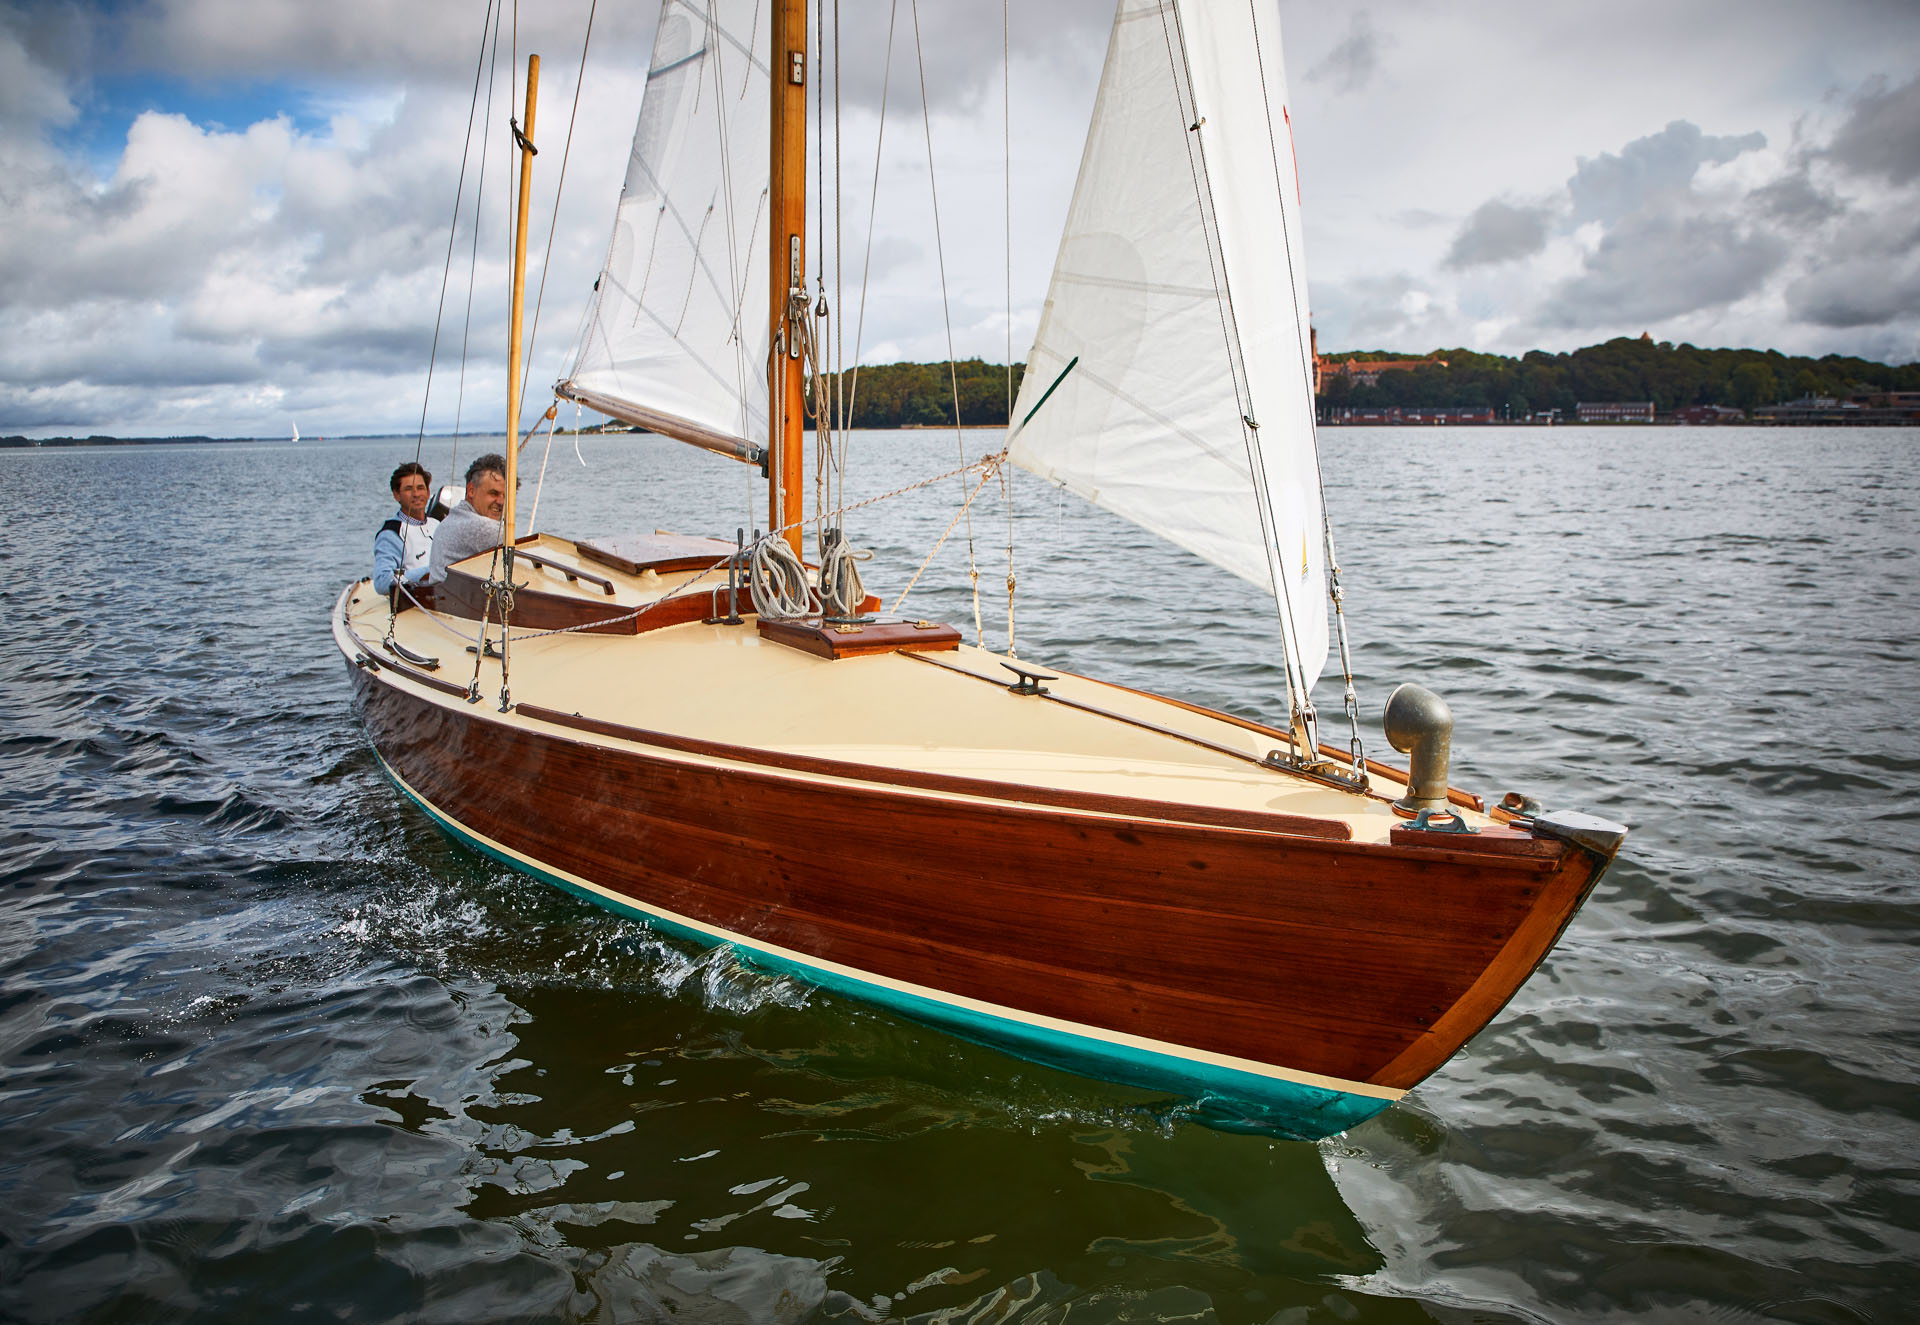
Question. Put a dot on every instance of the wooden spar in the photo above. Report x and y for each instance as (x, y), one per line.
(787, 204)
(518, 307)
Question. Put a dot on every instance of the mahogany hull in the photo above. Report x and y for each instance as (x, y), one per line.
(1298, 982)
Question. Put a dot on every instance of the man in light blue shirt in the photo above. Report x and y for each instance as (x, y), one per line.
(403, 548)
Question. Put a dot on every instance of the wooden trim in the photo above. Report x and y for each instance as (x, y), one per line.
(661, 553)
(571, 572)
(1455, 796)
(464, 594)
(1553, 910)
(1292, 825)
(377, 659)
(1099, 712)
(890, 635)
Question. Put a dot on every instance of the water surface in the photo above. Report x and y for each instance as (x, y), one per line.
(271, 1048)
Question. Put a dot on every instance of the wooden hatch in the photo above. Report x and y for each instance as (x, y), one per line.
(830, 640)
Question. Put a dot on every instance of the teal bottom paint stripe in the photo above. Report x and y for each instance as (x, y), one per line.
(1227, 1099)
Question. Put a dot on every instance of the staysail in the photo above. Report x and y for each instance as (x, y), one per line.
(1170, 380)
(676, 338)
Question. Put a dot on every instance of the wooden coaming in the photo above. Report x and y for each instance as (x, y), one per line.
(464, 594)
(1359, 961)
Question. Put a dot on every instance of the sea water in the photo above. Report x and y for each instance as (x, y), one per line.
(271, 1048)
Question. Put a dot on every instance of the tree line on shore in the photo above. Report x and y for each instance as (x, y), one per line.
(920, 395)
(1627, 369)
(909, 395)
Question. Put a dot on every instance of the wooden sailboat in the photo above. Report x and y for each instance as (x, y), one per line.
(1131, 886)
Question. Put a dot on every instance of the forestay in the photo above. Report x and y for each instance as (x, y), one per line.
(1179, 299)
(676, 339)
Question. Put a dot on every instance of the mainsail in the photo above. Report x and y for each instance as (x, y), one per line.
(1174, 339)
(676, 339)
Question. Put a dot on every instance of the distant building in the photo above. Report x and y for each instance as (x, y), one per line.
(1398, 415)
(1702, 414)
(1613, 411)
(1900, 400)
(1367, 372)
(1824, 411)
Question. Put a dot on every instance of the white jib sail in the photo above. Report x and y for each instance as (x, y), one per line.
(1179, 298)
(677, 336)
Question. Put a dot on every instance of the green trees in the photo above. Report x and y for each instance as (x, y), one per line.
(911, 395)
(1671, 376)
(1753, 385)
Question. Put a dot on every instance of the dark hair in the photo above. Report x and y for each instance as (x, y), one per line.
(411, 467)
(490, 463)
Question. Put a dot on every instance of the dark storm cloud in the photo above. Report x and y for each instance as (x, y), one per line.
(1855, 294)
(1499, 232)
(1608, 187)
(1349, 66)
(1882, 135)
(1871, 275)
(366, 350)
(1796, 202)
(1662, 265)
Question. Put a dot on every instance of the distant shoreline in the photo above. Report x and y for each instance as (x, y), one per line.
(61, 443)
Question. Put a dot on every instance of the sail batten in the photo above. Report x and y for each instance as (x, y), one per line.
(1179, 290)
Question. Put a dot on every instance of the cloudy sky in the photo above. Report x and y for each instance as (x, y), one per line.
(229, 216)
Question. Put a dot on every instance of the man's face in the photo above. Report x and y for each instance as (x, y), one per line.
(411, 493)
(487, 493)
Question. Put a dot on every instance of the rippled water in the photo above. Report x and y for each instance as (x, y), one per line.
(270, 1048)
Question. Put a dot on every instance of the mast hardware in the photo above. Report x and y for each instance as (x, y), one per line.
(797, 68)
(1029, 682)
(526, 145)
(796, 298)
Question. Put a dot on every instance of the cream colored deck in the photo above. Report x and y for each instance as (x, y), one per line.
(727, 684)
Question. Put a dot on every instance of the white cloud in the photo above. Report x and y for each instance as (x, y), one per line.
(1505, 182)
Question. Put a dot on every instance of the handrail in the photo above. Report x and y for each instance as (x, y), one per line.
(571, 572)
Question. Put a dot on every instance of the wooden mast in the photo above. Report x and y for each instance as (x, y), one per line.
(519, 304)
(787, 205)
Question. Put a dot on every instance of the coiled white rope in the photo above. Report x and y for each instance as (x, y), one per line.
(777, 581)
(841, 592)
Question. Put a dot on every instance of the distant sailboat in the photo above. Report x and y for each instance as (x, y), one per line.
(1129, 886)
(296, 430)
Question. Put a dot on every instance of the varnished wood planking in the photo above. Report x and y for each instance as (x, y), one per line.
(954, 783)
(930, 895)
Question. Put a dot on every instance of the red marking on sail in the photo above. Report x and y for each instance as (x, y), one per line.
(1295, 155)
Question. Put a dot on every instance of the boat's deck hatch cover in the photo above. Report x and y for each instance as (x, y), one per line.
(827, 639)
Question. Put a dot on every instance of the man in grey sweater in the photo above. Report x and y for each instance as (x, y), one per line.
(474, 525)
